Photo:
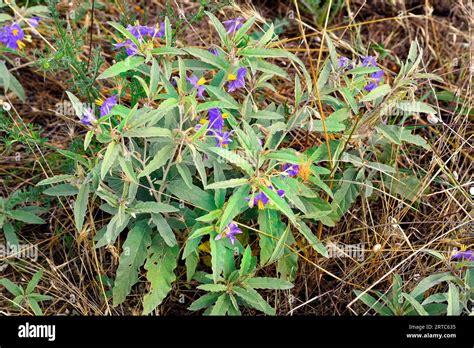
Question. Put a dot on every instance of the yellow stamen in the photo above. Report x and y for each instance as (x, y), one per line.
(99, 101)
(260, 204)
(15, 32)
(225, 115)
(232, 77)
(20, 44)
(202, 121)
(201, 81)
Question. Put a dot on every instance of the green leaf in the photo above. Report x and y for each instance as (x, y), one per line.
(148, 132)
(125, 33)
(129, 63)
(160, 265)
(212, 287)
(167, 50)
(221, 306)
(33, 282)
(227, 184)
(278, 251)
(14, 289)
(160, 159)
(110, 157)
(154, 207)
(431, 281)
(398, 134)
(253, 299)
(272, 228)
(164, 229)
(55, 179)
(34, 306)
(280, 203)
(454, 305)
(131, 259)
(213, 215)
(208, 57)
(25, 216)
(373, 303)
(234, 206)
(116, 225)
(10, 235)
(234, 158)
(204, 301)
(269, 283)
(80, 206)
(224, 97)
(378, 92)
(195, 196)
(201, 232)
(361, 70)
(185, 174)
(217, 257)
(246, 262)
(61, 190)
(416, 305)
(416, 106)
(219, 28)
(312, 239)
(243, 30)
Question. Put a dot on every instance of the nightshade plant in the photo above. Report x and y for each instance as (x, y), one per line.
(15, 33)
(204, 164)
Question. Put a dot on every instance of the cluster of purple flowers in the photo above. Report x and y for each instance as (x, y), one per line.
(140, 32)
(216, 128)
(376, 76)
(230, 231)
(464, 255)
(12, 35)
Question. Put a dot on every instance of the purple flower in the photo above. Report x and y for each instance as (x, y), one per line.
(214, 51)
(467, 255)
(237, 81)
(232, 25)
(369, 61)
(261, 199)
(216, 120)
(223, 138)
(130, 48)
(107, 105)
(230, 231)
(88, 117)
(376, 76)
(342, 62)
(12, 35)
(290, 169)
(198, 84)
(34, 21)
(140, 32)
